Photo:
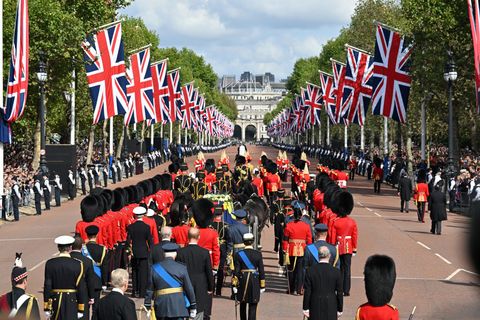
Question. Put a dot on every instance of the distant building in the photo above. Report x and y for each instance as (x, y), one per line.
(269, 77)
(260, 79)
(247, 76)
(227, 80)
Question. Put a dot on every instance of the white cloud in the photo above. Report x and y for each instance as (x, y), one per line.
(255, 35)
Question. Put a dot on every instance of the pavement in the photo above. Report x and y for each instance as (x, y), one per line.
(434, 272)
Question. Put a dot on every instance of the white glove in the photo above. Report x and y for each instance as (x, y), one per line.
(306, 313)
(91, 301)
(193, 313)
(214, 272)
(262, 290)
(79, 315)
(48, 314)
(104, 288)
(339, 314)
(235, 290)
(148, 314)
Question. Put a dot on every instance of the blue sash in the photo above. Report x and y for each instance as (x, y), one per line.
(171, 282)
(313, 250)
(245, 260)
(96, 267)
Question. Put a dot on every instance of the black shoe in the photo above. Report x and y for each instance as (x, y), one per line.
(401, 210)
(346, 294)
(406, 211)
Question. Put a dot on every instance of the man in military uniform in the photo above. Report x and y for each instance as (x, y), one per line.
(249, 278)
(170, 288)
(222, 230)
(379, 282)
(57, 187)
(88, 280)
(16, 198)
(83, 180)
(98, 254)
(311, 254)
(139, 239)
(236, 232)
(105, 175)
(199, 188)
(47, 191)
(71, 186)
(38, 192)
(62, 292)
(183, 182)
(17, 304)
(296, 236)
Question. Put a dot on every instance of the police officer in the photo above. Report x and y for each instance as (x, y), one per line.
(249, 278)
(57, 187)
(62, 292)
(38, 193)
(16, 198)
(170, 287)
(47, 191)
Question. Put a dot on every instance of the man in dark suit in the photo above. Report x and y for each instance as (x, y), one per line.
(437, 204)
(404, 191)
(199, 267)
(98, 254)
(139, 240)
(170, 287)
(116, 306)
(323, 297)
(88, 280)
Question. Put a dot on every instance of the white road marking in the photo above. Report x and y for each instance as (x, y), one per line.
(369, 209)
(445, 260)
(424, 245)
(454, 273)
(406, 278)
(25, 239)
(377, 214)
(361, 204)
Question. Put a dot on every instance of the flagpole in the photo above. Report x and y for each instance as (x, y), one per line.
(320, 133)
(312, 142)
(179, 133)
(171, 131)
(345, 137)
(110, 147)
(152, 133)
(385, 136)
(1, 105)
(328, 132)
(362, 138)
(186, 133)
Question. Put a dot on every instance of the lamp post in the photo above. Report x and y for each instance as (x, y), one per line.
(42, 78)
(68, 97)
(450, 75)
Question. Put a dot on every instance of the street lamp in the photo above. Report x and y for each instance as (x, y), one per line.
(42, 78)
(450, 75)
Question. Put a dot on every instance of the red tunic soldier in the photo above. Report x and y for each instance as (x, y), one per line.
(421, 196)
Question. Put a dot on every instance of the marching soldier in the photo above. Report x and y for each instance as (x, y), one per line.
(296, 236)
(99, 256)
(83, 180)
(62, 292)
(71, 185)
(96, 175)
(90, 177)
(17, 304)
(16, 198)
(47, 191)
(105, 175)
(139, 239)
(236, 232)
(113, 170)
(199, 188)
(57, 187)
(38, 192)
(249, 278)
(119, 170)
(170, 288)
(126, 166)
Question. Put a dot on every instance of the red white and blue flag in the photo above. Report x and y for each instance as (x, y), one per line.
(312, 98)
(105, 67)
(357, 91)
(339, 71)
(474, 15)
(160, 91)
(188, 105)
(140, 88)
(391, 75)
(174, 95)
(17, 85)
(329, 99)
(210, 119)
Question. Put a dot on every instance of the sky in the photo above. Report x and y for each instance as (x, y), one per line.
(246, 35)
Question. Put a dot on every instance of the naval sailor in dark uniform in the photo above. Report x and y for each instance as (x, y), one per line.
(62, 289)
(222, 229)
(249, 278)
(170, 293)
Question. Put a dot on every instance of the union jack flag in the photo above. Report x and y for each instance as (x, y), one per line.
(18, 75)
(391, 79)
(140, 88)
(357, 91)
(312, 98)
(160, 91)
(210, 119)
(339, 81)
(187, 105)
(105, 67)
(474, 15)
(174, 95)
(202, 126)
(329, 99)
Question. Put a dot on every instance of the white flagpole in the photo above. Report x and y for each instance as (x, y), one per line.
(72, 109)
(312, 142)
(152, 133)
(345, 136)
(362, 138)
(171, 132)
(1, 104)
(110, 137)
(186, 138)
(320, 133)
(328, 132)
(179, 133)
(385, 136)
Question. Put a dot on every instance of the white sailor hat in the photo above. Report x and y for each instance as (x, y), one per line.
(64, 240)
(150, 213)
(139, 211)
(248, 236)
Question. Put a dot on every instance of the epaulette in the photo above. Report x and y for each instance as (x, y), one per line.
(392, 306)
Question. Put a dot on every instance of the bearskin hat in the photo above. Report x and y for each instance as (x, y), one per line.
(107, 194)
(321, 180)
(139, 194)
(240, 161)
(179, 211)
(210, 165)
(118, 200)
(377, 161)
(173, 167)
(380, 278)
(330, 189)
(271, 167)
(101, 204)
(422, 176)
(155, 184)
(202, 212)
(166, 181)
(343, 203)
(89, 208)
(131, 194)
(96, 191)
